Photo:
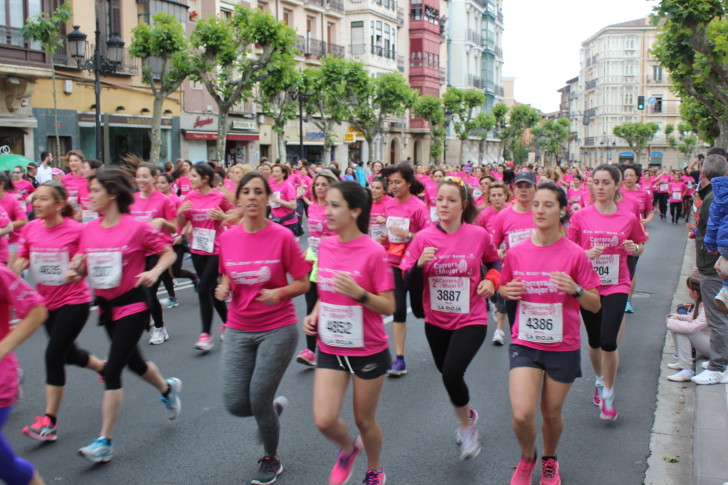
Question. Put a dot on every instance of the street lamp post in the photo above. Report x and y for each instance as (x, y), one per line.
(448, 119)
(302, 98)
(98, 65)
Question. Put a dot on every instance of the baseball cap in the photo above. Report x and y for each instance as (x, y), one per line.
(524, 176)
(468, 168)
(509, 164)
(32, 165)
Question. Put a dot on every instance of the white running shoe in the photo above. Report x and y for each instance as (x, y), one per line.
(498, 337)
(204, 342)
(469, 442)
(683, 376)
(674, 366)
(158, 336)
(708, 377)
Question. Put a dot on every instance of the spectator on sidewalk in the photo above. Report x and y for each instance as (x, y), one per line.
(689, 331)
(714, 166)
(716, 235)
(46, 166)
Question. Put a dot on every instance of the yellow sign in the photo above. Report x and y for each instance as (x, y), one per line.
(352, 129)
(349, 137)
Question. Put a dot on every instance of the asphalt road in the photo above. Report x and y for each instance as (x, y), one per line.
(206, 445)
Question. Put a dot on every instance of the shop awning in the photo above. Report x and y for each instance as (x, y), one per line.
(242, 137)
(209, 135)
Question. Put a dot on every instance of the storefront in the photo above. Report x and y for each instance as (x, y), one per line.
(241, 144)
(201, 140)
(626, 157)
(655, 159)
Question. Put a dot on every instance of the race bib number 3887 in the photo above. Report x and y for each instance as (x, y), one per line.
(450, 294)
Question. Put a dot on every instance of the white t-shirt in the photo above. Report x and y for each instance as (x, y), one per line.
(44, 174)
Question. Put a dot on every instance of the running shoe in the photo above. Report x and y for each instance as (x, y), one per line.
(270, 468)
(550, 471)
(598, 389)
(524, 470)
(708, 377)
(172, 402)
(375, 477)
(469, 442)
(344, 466)
(674, 366)
(99, 451)
(158, 336)
(204, 342)
(42, 430)
(223, 328)
(172, 303)
(628, 308)
(498, 337)
(721, 299)
(472, 421)
(306, 357)
(399, 368)
(683, 376)
(607, 409)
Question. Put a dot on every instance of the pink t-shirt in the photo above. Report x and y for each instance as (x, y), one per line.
(567, 178)
(17, 294)
(183, 186)
(49, 251)
(378, 209)
(485, 217)
(662, 184)
(689, 183)
(451, 299)
(543, 304)
(646, 184)
(346, 327)
(677, 191)
(84, 197)
(205, 230)
(630, 205)
(410, 215)
(231, 185)
(156, 206)
(15, 211)
(430, 193)
(643, 198)
(73, 184)
(577, 198)
(4, 221)
(21, 192)
(511, 227)
(286, 192)
(304, 188)
(254, 261)
(317, 225)
(589, 228)
(115, 256)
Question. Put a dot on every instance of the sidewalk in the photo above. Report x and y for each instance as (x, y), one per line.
(691, 422)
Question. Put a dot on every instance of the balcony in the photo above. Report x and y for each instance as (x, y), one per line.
(590, 85)
(499, 91)
(335, 5)
(590, 141)
(474, 37)
(443, 75)
(500, 17)
(489, 87)
(379, 51)
(498, 52)
(660, 80)
(336, 50)
(400, 16)
(310, 47)
(357, 49)
(474, 81)
(400, 63)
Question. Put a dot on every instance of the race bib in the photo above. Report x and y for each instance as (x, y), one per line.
(49, 268)
(376, 230)
(23, 205)
(518, 236)
(399, 222)
(315, 226)
(300, 191)
(677, 195)
(450, 294)
(433, 214)
(477, 193)
(74, 202)
(607, 267)
(203, 239)
(575, 206)
(540, 322)
(313, 244)
(104, 270)
(88, 216)
(663, 187)
(275, 205)
(341, 325)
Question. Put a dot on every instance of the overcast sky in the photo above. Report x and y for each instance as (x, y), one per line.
(542, 39)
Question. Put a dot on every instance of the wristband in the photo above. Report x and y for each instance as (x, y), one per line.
(282, 294)
(364, 298)
(493, 275)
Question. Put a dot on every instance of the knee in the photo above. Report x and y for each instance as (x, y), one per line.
(551, 415)
(523, 417)
(112, 378)
(609, 346)
(364, 423)
(238, 405)
(326, 423)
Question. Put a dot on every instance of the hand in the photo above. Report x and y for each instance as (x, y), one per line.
(148, 278)
(427, 256)
(275, 198)
(186, 205)
(222, 292)
(513, 290)
(630, 246)
(346, 285)
(594, 252)
(72, 276)
(269, 297)
(177, 240)
(382, 239)
(381, 219)
(20, 265)
(486, 289)
(399, 232)
(157, 223)
(721, 267)
(310, 324)
(563, 282)
(77, 262)
(501, 254)
(216, 214)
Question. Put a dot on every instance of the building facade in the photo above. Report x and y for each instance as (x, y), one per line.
(616, 69)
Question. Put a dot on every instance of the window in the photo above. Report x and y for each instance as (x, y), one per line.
(629, 44)
(263, 6)
(110, 12)
(12, 18)
(226, 14)
(657, 107)
(287, 17)
(657, 73)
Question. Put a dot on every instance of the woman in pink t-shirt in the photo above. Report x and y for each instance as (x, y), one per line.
(355, 291)
(74, 180)
(431, 192)
(378, 212)
(158, 211)
(661, 186)
(480, 192)
(608, 235)
(22, 189)
(15, 294)
(15, 211)
(406, 216)
(550, 278)
(46, 245)
(303, 189)
(577, 194)
(86, 215)
(112, 252)
(376, 170)
(446, 260)
(205, 209)
(256, 258)
(6, 227)
(283, 199)
(688, 197)
(317, 231)
(676, 191)
(181, 175)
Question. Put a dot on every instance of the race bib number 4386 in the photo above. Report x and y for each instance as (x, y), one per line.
(540, 322)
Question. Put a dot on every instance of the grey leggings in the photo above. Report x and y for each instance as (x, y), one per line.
(253, 366)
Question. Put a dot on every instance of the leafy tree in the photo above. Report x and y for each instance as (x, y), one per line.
(227, 63)
(550, 135)
(464, 105)
(163, 49)
(375, 100)
(46, 30)
(636, 135)
(278, 98)
(699, 118)
(687, 141)
(484, 123)
(431, 109)
(693, 48)
(519, 119)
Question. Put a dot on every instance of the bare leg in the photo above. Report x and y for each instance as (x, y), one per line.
(366, 398)
(154, 377)
(595, 355)
(552, 402)
(610, 364)
(329, 387)
(524, 384)
(110, 410)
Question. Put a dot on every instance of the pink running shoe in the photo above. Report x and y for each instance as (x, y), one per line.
(524, 470)
(607, 409)
(307, 358)
(550, 471)
(598, 394)
(375, 477)
(42, 429)
(204, 342)
(345, 464)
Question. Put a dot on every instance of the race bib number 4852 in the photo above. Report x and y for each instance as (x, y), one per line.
(341, 325)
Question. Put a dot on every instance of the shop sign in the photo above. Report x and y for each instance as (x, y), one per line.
(314, 135)
(349, 137)
(243, 125)
(122, 120)
(200, 122)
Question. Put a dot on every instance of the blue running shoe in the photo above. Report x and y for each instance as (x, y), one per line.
(99, 451)
(172, 402)
(628, 308)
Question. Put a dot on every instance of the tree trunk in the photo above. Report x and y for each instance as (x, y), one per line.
(460, 155)
(222, 130)
(156, 128)
(368, 143)
(282, 153)
(722, 140)
(481, 151)
(57, 155)
(327, 155)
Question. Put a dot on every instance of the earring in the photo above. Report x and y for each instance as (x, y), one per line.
(562, 213)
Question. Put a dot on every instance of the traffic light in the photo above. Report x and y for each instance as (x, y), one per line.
(640, 102)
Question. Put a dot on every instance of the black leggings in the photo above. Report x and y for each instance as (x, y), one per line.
(125, 334)
(206, 268)
(602, 327)
(152, 293)
(400, 296)
(676, 210)
(662, 200)
(311, 299)
(63, 326)
(177, 271)
(453, 350)
(168, 283)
